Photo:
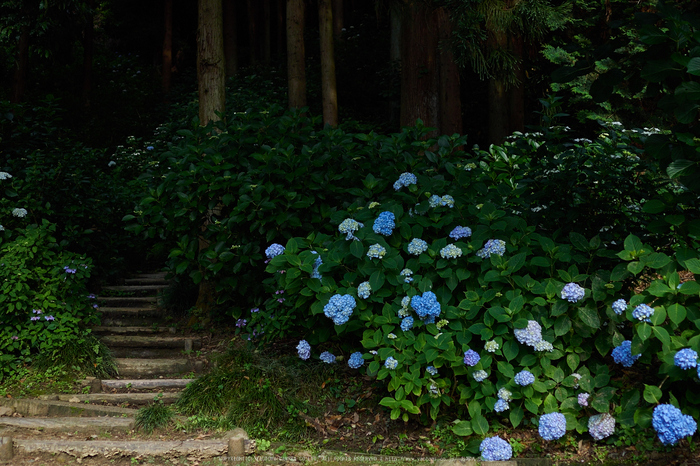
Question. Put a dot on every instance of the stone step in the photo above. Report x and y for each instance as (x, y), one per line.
(147, 281)
(136, 330)
(150, 275)
(46, 408)
(149, 368)
(130, 290)
(127, 301)
(151, 341)
(114, 398)
(110, 448)
(70, 424)
(146, 353)
(131, 316)
(143, 384)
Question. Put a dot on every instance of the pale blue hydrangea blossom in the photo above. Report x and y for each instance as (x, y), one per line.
(491, 346)
(384, 224)
(406, 274)
(391, 363)
(304, 350)
(431, 370)
(492, 246)
(349, 227)
(447, 201)
(501, 405)
(317, 263)
(495, 449)
(480, 375)
(671, 425)
(450, 252)
(552, 426)
(376, 251)
(583, 399)
(5, 176)
(460, 232)
(21, 213)
(417, 246)
(405, 179)
(471, 358)
(524, 378)
(529, 335)
(619, 306)
(356, 361)
(327, 357)
(426, 306)
(623, 354)
(505, 394)
(275, 249)
(364, 290)
(643, 312)
(434, 201)
(339, 308)
(601, 426)
(686, 359)
(407, 323)
(543, 345)
(572, 292)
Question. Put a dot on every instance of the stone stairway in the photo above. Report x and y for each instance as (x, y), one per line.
(151, 359)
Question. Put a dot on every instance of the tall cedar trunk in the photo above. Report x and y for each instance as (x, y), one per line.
(328, 85)
(296, 72)
(419, 69)
(266, 43)
(167, 70)
(394, 33)
(253, 32)
(450, 97)
(230, 37)
(212, 100)
(498, 97)
(20, 81)
(517, 93)
(337, 19)
(88, 38)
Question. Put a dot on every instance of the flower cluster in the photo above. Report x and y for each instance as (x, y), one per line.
(671, 424)
(619, 306)
(364, 290)
(407, 323)
(384, 224)
(417, 246)
(643, 312)
(543, 345)
(530, 335)
(67, 269)
(304, 350)
(623, 354)
(406, 274)
(19, 212)
(376, 251)
(273, 250)
(501, 405)
(405, 179)
(524, 378)
(572, 292)
(339, 308)
(492, 246)
(426, 306)
(349, 227)
(450, 252)
(356, 361)
(431, 370)
(552, 426)
(391, 363)
(317, 263)
(491, 346)
(583, 399)
(495, 449)
(5, 176)
(327, 357)
(480, 375)
(460, 232)
(404, 311)
(601, 426)
(447, 200)
(240, 323)
(686, 359)
(471, 358)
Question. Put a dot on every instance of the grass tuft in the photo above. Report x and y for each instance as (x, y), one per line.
(86, 354)
(153, 416)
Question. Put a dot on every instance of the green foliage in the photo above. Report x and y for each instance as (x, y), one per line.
(154, 416)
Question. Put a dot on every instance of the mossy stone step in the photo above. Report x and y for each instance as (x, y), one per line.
(111, 448)
(130, 290)
(114, 398)
(133, 330)
(148, 368)
(152, 341)
(47, 408)
(127, 301)
(144, 384)
(70, 424)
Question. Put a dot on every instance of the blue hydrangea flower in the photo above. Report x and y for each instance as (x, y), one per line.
(619, 306)
(417, 246)
(356, 361)
(407, 323)
(524, 378)
(391, 363)
(572, 292)
(18, 212)
(492, 246)
(384, 224)
(686, 359)
(405, 179)
(273, 250)
(406, 274)
(671, 424)
(327, 357)
(552, 426)
(501, 405)
(495, 449)
(643, 312)
(543, 345)
(376, 251)
(529, 335)
(505, 394)
(364, 290)
(317, 263)
(491, 346)
(450, 252)
(434, 200)
(431, 370)
(447, 200)
(601, 426)
(304, 350)
(460, 232)
(349, 227)
(583, 399)
(339, 308)
(480, 375)
(471, 358)
(623, 354)
(426, 306)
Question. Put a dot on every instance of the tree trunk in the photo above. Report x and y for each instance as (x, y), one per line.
(88, 39)
(21, 66)
(280, 47)
(230, 37)
(450, 96)
(210, 61)
(498, 97)
(253, 33)
(419, 71)
(166, 72)
(328, 85)
(337, 19)
(517, 93)
(296, 72)
(266, 42)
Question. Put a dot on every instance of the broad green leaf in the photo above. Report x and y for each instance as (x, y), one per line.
(652, 394)
(516, 416)
(480, 425)
(680, 167)
(589, 317)
(676, 313)
(644, 331)
(462, 428)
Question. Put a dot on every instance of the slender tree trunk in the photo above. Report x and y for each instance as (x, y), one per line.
(280, 48)
(337, 19)
(328, 85)
(419, 72)
(167, 70)
(450, 96)
(21, 65)
(517, 93)
(230, 37)
(296, 71)
(253, 32)
(498, 97)
(210, 61)
(266, 47)
(88, 39)
(394, 33)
